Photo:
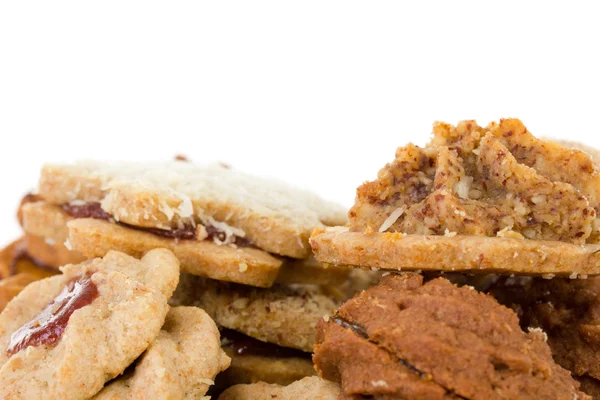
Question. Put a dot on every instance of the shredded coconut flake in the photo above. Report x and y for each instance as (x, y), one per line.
(68, 244)
(389, 221)
(449, 234)
(243, 267)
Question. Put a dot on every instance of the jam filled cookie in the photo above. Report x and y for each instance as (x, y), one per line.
(221, 223)
(63, 337)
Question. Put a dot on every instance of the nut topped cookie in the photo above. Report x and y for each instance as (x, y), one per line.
(407, 339)
(180, 364)
(492, 199)
(63, 337)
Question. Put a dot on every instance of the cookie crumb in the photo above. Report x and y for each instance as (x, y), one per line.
(379, 383)
(243, 267)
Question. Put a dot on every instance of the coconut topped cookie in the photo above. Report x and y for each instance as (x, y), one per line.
(219, 222)
(63, 337)
(183, 200)
(491, 199)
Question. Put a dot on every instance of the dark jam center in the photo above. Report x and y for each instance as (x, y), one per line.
(48, 326)
(246, 345)
(187, 232)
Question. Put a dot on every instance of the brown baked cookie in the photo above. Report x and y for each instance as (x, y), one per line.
(312, 388)
(254, 361)
(283, 315)
(181, 363)
(404, 339)
(18, 268)
(568, 310)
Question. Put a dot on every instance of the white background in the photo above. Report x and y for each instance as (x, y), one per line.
(319, 93)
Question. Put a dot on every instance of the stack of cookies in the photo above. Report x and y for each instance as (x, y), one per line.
(242, 245)
(482, 216)
(466, 270)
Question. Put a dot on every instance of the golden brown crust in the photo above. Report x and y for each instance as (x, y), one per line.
(13, 285)
(476, 254)
(50, 253)
(94, 238)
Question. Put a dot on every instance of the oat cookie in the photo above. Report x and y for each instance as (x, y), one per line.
(283, 315)
(180, 364)
(406, 339)
(307, 388)
(63, 337)
(182, 199)
(497, 183)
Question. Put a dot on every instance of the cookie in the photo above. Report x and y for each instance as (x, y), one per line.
(478, 198)
(472, 254)
(180, 364)
(12, 286)
(255, 361)
(19, 266)
(594, 153)
(407, 339)
(568, 310)
(184, 200)
(65, 336)
(308, 388)
(246, 265)
(283, 315)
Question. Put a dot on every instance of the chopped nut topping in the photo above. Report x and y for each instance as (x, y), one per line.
(495, 181)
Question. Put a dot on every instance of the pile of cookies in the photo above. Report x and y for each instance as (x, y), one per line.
(482, 216)
(466, 270)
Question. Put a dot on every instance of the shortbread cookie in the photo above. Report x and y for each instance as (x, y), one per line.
(479, 195)
(183, 200)
(283, 315)
(406, 339)
(246, 265)
(65, 336)
(568, 310)
(312, 388)
(473, 254)
(180, 364)
(255, 361)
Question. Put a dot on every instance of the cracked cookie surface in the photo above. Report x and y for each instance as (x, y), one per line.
(404, 339)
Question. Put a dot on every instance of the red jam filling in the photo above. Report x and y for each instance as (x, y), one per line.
(47, 327)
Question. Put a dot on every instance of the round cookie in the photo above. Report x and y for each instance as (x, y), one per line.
(283, 315)
(65, 336)
(180, 364)
(255, 361)
(407, 339)
(308, 388)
